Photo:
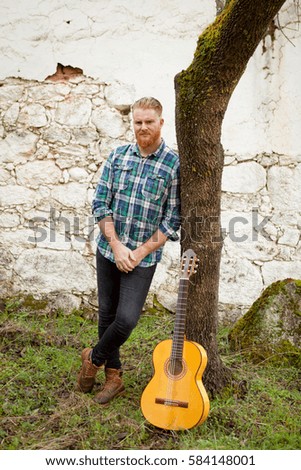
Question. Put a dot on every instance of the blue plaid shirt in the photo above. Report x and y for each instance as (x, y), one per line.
(141, 195)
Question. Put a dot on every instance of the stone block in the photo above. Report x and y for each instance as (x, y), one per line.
(291, 237)
(284, 188)
(43, 271)
(33, 115)
(37, 173)
(120, 96)
(18, 146)
(70, 194)
(247, 177)
(54, 134)
(10, 94)
(79, 174)
(276, 270)
(74, 111)
(9, 220)
(13, 195)
(240, 282)
(11, 115)
(108, 122)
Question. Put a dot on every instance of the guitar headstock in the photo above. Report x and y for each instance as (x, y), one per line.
(189, 263)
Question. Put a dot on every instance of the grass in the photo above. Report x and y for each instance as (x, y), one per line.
(40, 409)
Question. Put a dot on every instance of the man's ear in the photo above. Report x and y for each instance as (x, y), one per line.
(161, 121)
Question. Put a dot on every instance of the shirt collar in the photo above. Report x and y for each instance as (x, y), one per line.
(157, 153)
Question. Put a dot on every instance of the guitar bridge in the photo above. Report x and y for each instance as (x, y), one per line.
(168, 402)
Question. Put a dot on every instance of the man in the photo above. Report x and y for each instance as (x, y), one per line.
(137, 207)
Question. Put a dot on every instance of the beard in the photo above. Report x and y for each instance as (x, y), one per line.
(148, 139)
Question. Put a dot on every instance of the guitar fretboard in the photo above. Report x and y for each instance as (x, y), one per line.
(180, 321)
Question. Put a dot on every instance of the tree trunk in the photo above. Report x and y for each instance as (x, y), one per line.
(203, 91)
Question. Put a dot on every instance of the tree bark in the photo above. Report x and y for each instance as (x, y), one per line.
(203, 92)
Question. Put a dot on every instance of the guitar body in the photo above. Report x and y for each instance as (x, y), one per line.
(175, 398)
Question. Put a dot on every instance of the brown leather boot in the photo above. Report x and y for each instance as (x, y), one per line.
(113, 386)
(87, 373)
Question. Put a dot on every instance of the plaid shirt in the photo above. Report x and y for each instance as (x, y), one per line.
(141, 195)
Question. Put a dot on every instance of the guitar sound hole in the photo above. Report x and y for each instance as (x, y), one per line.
(175, 367)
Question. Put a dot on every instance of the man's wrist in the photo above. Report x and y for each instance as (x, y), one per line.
(142, 251)
(114, 242)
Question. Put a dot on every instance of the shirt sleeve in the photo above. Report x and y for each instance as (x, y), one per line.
(101, 204)
(171, 221)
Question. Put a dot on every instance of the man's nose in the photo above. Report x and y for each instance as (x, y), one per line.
(143, 126)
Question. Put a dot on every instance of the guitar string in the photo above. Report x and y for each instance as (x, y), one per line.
(180, 316)
(179, 331)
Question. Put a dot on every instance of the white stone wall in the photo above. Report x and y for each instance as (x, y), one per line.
(261, 218)
(54, 137)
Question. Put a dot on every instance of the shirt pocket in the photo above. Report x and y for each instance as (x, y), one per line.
(121, 176)
(153, 187)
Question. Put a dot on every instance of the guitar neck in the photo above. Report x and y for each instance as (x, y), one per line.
(180, 320)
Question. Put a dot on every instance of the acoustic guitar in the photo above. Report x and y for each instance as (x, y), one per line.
(175, 398)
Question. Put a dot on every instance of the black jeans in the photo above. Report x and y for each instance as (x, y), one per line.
(121, 297)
